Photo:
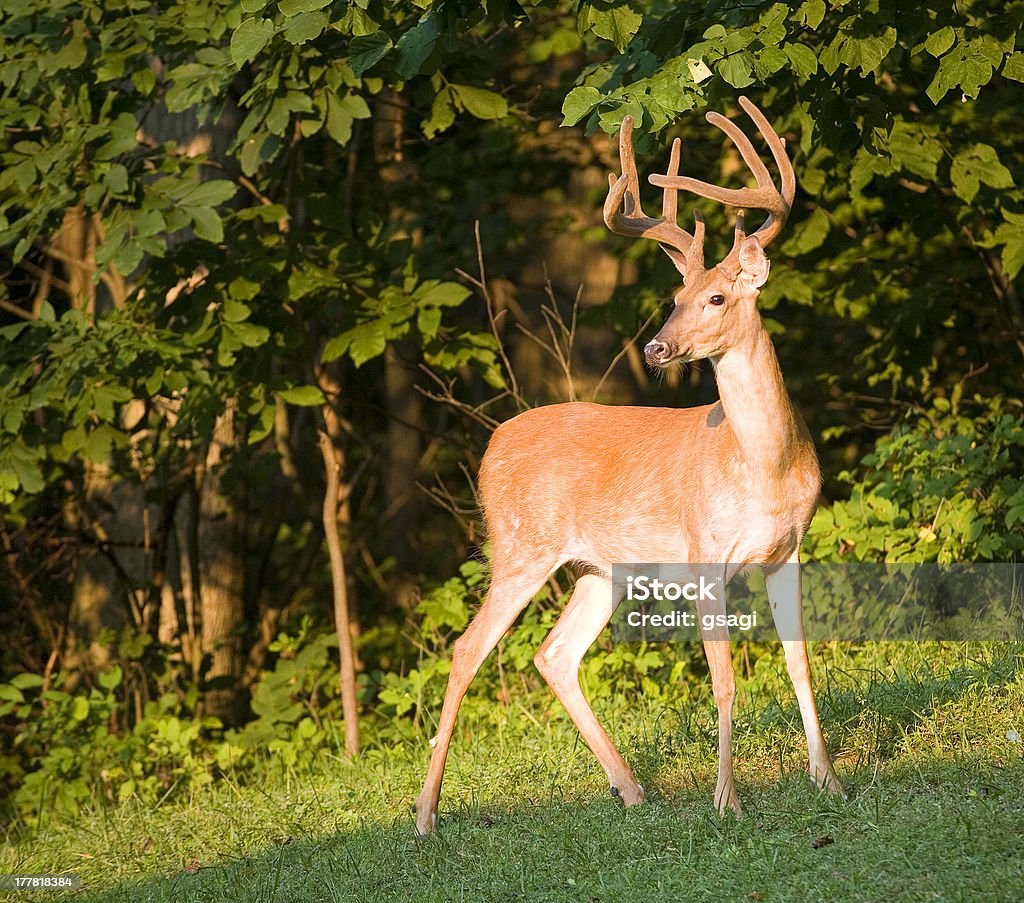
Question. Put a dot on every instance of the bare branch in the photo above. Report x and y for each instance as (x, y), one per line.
(626, 346)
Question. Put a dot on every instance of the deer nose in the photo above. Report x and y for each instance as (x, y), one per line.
(657, 352)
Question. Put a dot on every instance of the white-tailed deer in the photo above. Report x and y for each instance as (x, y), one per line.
(734, 482)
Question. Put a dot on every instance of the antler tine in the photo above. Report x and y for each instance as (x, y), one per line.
(743, 145)
(766, 196)
(695, 259)
(622, 211)
(777, 145)
(670, 197)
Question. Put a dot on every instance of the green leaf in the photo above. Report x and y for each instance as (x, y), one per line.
(80, 708)
(442, 113)
(428, 321)
(234, 311)
(144, 81)
(209, 194)
(150, 222)
(295, 7)
(303, 396)
(339, 121)
(207, 223)
(966, 66)
(27, 681)
(361, 343)
(442, 294)
(244, 289)
(106, 397)
(341, 114)
(810, 234)
(914, 149)
(361, 23)
(974, 165)
(416, 45)
(768, 62)
(249, 334)
(772, 22)
(29, 477)
(617, 25)
(578, 103)
(260, 149)
(737, 70)
(117, 179)
(366, 51)
(355, 106)
(98, 444)
(305, 27)
(867, 52)
(480, 102)
(111, 679)
(803, 60)
(308, 278)
(1013, 256)
(865, 167)
(250, 38)
(1014, 67)
(122, 137)
(1010, 234)
(10, 693)
(812, 12)
(940, 41)
(71, 55)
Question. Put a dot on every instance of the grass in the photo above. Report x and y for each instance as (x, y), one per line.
(924, 742)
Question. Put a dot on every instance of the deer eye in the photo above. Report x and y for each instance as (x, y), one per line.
(717, 300)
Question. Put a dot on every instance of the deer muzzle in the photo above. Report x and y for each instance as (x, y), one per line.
(659, 353)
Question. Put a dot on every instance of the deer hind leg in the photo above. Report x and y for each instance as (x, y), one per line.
(723, 685)
(510, 592)
(558, 660)
(784, 593)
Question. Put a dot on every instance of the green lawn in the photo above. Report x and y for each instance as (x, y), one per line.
(923, 738)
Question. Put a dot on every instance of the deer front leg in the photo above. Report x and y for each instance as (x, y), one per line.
(558, 661)
(723, 685)
(784, 593)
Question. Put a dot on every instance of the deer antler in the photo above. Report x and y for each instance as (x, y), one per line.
(766, 196)
(624, 215)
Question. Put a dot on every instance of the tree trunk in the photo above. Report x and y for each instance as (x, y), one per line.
(405, 422)
(333, 455)
(404, 403)
(221, 581)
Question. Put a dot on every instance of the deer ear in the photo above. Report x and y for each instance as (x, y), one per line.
(754, 265)
(678, 258)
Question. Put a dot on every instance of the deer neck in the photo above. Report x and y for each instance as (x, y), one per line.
(759, 411)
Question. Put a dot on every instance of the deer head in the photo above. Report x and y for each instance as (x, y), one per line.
(715, 309)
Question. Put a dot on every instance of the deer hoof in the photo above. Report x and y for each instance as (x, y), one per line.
(630, 795)
(426, 824)
(830, 783)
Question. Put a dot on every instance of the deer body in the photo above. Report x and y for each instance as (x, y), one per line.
(605, 485)
(732, 484)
